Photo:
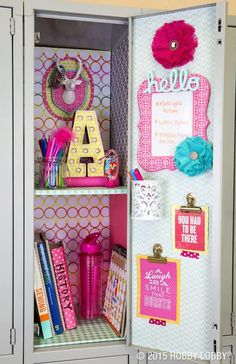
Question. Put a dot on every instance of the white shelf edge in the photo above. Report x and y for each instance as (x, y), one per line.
(81, 191)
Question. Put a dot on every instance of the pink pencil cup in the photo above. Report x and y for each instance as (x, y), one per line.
(91, 259)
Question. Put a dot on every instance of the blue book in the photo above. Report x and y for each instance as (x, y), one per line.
(49, 287)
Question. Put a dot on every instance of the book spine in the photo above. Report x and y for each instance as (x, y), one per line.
(49, 287)
(55, 284)
(41, 301)
(64, 288)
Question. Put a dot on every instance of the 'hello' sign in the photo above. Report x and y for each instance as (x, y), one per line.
(177, 81)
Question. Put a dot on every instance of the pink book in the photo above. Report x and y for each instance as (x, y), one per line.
(63, 285)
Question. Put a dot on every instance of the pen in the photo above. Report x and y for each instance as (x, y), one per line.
(43, 143)
(133, 176)
(138, 174)
(49, 145)
(40, 145)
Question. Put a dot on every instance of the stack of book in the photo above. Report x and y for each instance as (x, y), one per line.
(53, 297)
(114, 308)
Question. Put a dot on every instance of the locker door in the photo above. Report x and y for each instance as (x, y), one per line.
(6, 183)
(198, 329)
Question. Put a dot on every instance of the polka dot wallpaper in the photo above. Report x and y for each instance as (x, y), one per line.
(72, 218)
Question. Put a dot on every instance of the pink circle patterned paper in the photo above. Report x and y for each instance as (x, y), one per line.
(60, 218)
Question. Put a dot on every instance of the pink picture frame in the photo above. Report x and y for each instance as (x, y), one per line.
(200, 121)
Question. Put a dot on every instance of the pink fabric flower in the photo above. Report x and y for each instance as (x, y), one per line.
(174, 44)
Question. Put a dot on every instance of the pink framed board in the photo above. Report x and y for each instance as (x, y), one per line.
(170, 109)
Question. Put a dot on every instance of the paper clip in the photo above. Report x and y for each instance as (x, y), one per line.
(191, 199)
(157, 258)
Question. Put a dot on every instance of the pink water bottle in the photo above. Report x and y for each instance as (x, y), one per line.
(91, 259)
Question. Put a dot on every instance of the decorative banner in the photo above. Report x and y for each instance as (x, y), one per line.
(171, 109)
(86, 124)
(190, 230)
(159, 290)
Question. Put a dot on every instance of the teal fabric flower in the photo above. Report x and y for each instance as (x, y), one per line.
(193, 156)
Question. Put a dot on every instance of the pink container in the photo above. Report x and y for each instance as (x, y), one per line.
(91, 260)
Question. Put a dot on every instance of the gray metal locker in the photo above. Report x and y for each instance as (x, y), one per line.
(223, 323)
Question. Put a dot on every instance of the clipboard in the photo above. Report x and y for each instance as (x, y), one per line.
(190, 228)
(158, 287)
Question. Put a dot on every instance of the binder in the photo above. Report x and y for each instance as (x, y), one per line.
(63, 285)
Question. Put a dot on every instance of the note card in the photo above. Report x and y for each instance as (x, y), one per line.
(158, 290)
(190, 230)
(172, 121)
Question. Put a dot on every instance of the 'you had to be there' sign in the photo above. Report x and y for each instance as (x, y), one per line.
(190, 230)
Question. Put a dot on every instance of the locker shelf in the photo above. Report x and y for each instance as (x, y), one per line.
(81, 191)
(88, 331)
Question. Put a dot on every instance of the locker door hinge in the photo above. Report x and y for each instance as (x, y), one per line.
(232, 359)
(13, 336)
(12, 26)
(37, 37)
(232, 319)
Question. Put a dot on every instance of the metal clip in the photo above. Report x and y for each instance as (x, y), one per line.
(191, 199)
(157, 258)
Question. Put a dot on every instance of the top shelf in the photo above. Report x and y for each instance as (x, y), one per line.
(81, 191)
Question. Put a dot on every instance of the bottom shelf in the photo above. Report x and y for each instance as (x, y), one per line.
(88, 331)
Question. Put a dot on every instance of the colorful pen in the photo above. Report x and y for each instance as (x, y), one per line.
(138, 174)
(133, 175)
(43, 143)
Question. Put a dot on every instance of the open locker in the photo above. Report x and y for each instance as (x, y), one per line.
(70, 215)
(123, 70)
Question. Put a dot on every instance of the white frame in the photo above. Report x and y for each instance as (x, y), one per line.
(17, 315)
(230, 270)
(18, 170)
(227, 254)
(219, 138)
